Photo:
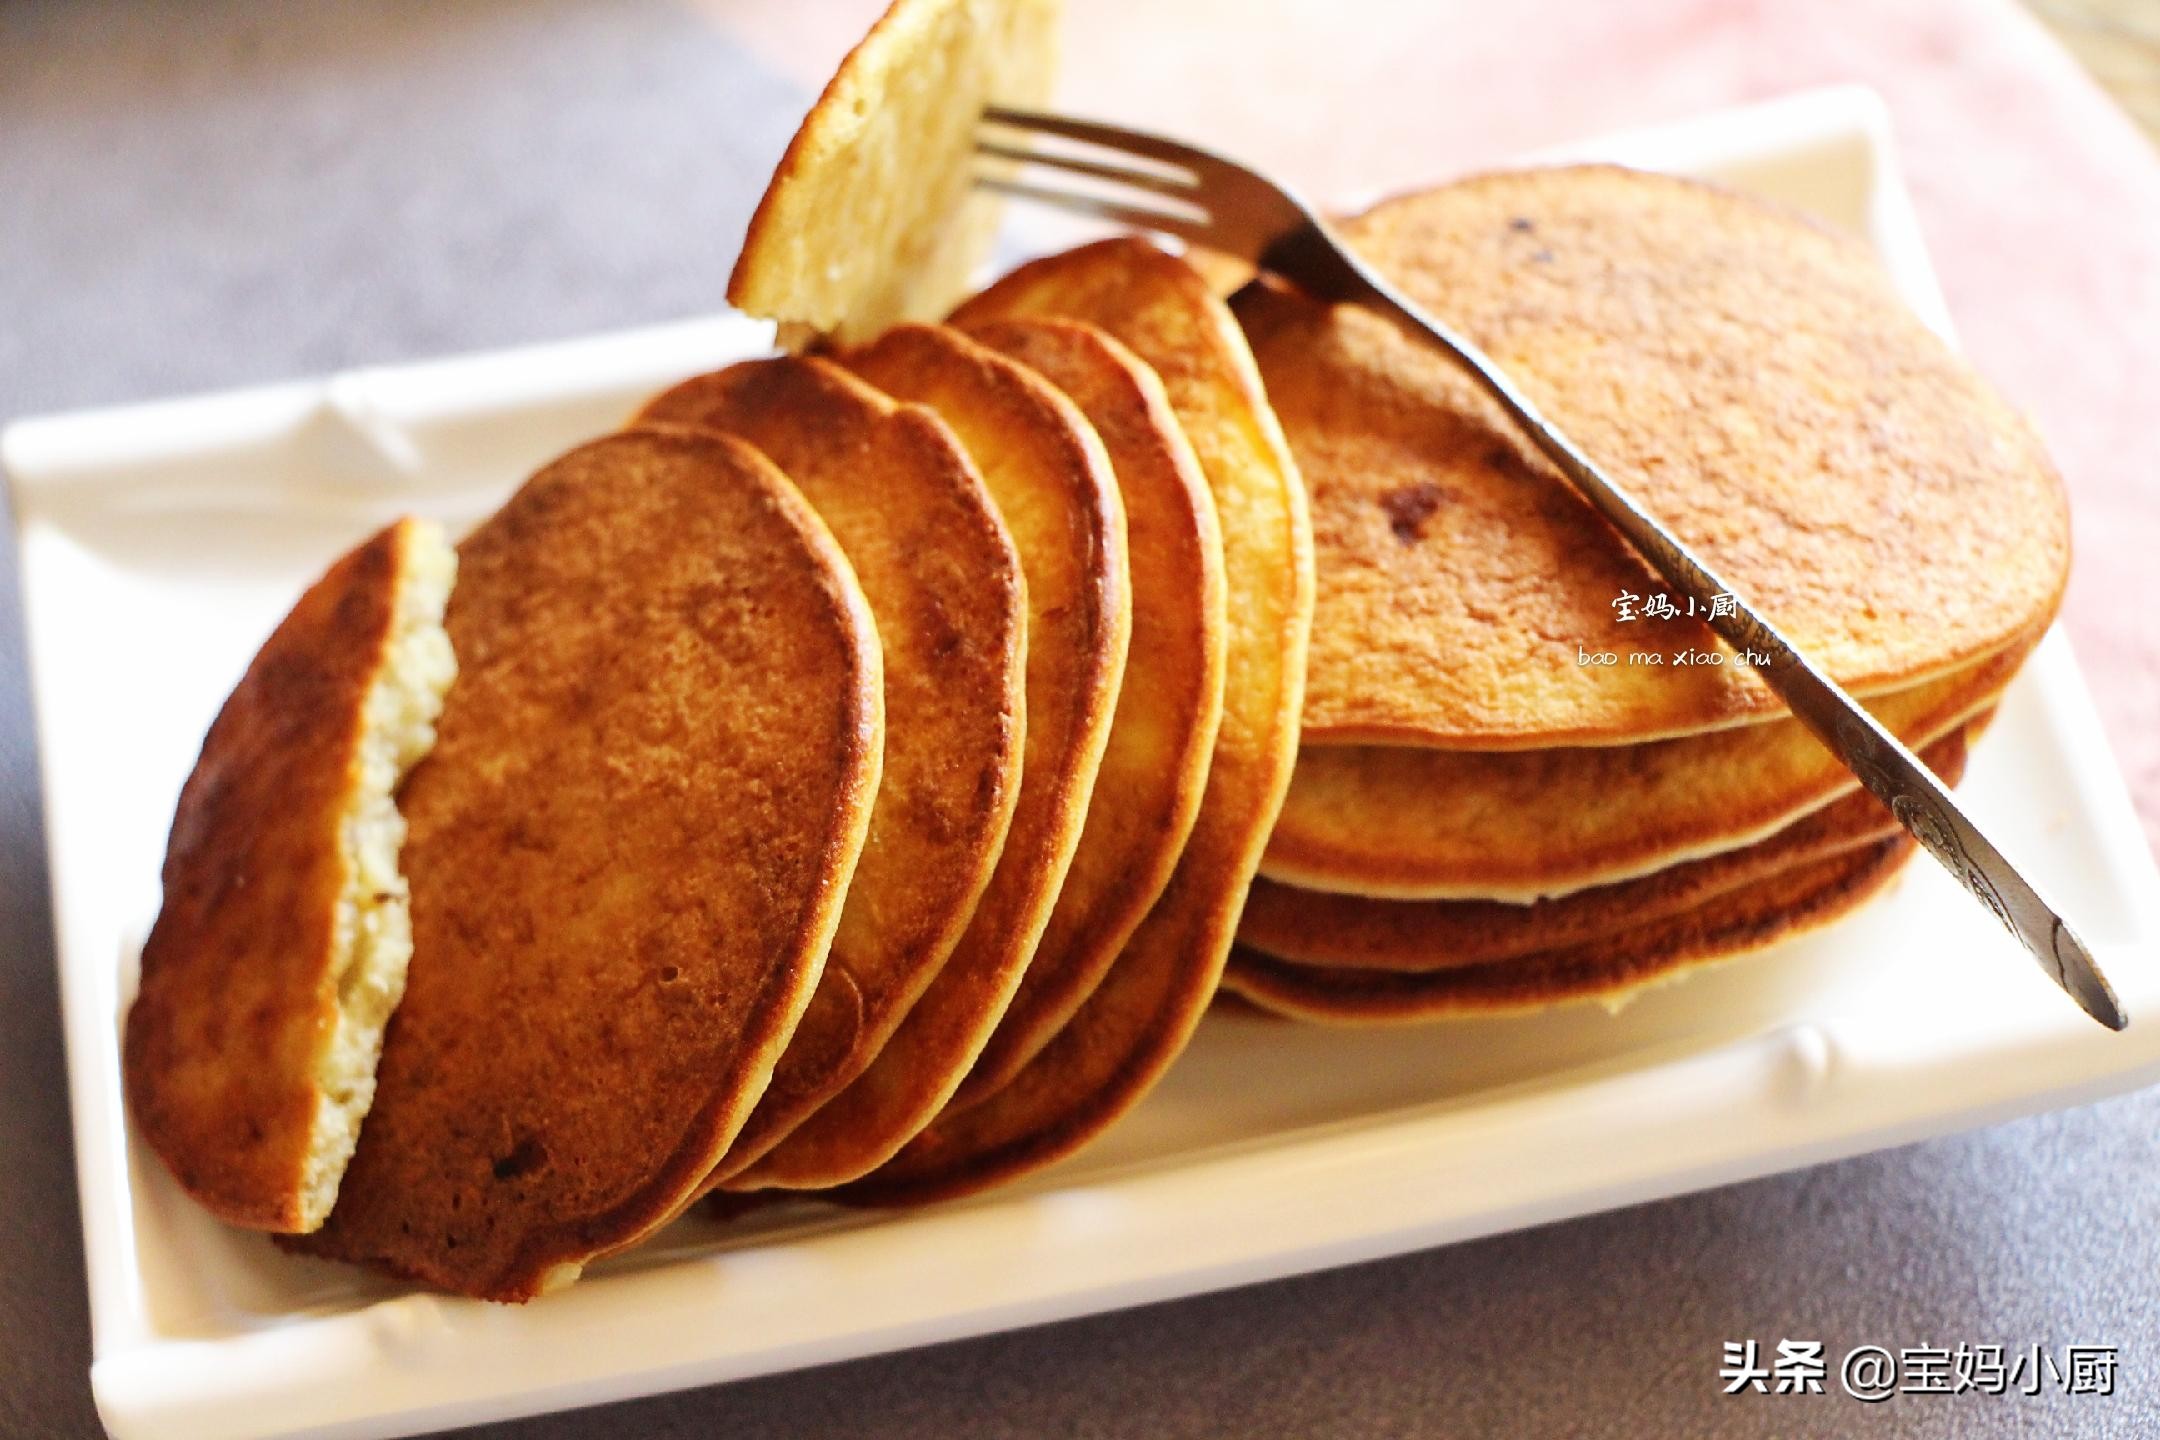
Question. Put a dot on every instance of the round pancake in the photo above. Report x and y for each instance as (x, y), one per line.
(1312, 927)
(1609, 968)
(627, 856)
(1749, 375)
(1052, 482)
(870, 216)
(1155, 764)
(1138, 1019)
(282, 944)
(1398, 823)
(944, 582)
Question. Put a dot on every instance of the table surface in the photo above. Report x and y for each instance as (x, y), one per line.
(203, 195)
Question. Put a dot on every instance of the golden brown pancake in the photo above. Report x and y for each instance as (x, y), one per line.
(1750, 376)
(1052, 482)
(627, 856)
(250, 1052)
(1155, 765)
(1313, 927)
(1608, 968)
(944, 582)
(1138, 1019)
(870, 217)
(1393, 822)
(1226, 274)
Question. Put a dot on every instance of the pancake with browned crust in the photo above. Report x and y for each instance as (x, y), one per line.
(1155, 765)
(1609, 968)
(1046, 469)
(945, 584)
(1313, 927)
(627, 853)
(871, 216)
(1395, 822)
(250, 1051)
(1749, 375)
(1138, 1019)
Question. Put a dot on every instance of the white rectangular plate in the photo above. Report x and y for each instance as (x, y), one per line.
(161, 542)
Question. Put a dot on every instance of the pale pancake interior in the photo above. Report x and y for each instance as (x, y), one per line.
(249, 1052)
(871, 216)
(372, 933)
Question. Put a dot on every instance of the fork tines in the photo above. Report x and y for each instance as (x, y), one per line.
(1159, 192)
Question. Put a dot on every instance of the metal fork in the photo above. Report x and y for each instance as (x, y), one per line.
(1207, 199)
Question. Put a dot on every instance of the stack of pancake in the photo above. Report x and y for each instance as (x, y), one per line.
(851, 778)
(853, 773)
(1528, 773)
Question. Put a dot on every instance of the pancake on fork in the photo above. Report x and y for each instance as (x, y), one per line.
(1610, 968)
(871, 216)
(627, 853)
(1402, 823)
(1122, 1038)
(1316, 928)
(1046, 470)
(945, 585)
(1748, 374)
(1155, 765)
(250, 1051)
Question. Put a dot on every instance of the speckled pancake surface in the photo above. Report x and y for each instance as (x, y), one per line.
(1122, 1038)
(944, 583)
(1052, 482)
(1314, 927)
(1396, 822)
(1608, 968)
(254, 958)
(627, 853)
(1748, 374)
(1155, 765)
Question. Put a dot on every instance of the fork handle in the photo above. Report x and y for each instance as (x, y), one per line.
(1890, 771)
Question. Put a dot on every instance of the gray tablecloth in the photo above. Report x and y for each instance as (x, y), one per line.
(195, 196)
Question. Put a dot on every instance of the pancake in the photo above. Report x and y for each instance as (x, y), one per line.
(1155, 765)
(1226, 274)
(1045, 468)
(871, 217)
(250, 1051)
(1392, 822)
(1312, 927)
(944, 582)
(1126, 1033)
(1611, 968)
(627, 855)
(1750, 376)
